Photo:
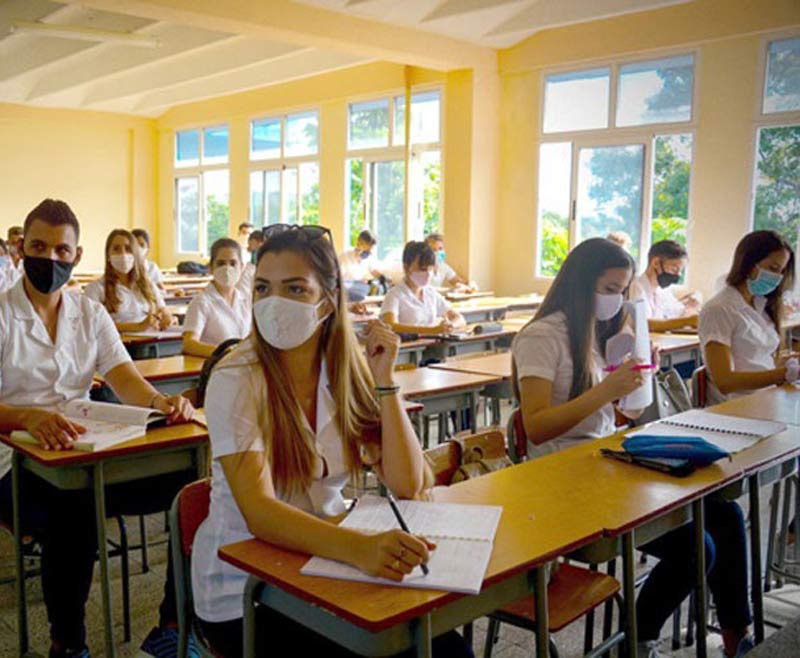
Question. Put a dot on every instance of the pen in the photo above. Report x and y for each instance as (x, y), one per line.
(648, 366)
(393, 505)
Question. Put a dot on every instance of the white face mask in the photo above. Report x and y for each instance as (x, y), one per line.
(607, 306)
(226, 276)
(122, 263)
(144, 251)
(421, 279)
(286, 323)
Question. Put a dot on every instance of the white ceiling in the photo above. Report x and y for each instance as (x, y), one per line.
(492, 23)
(188, 64)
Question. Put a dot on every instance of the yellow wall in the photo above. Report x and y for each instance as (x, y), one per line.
(728, 37)
(103, 165)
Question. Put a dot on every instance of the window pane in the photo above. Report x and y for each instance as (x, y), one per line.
(272, 193)
(215, 188)
(369, 125)
(355, 198)
(257, 198)
(671, 175)
(265, 138)
(388, 199)
(431, 191)
(290, 195)
(187, 148)
(215, 145)
(555, 172)
(302, 133)
(655, 92)
(610, 192)
(777, 193)
(309, 192)
(576, 101)
(425, 117)
(782, 88)
(187, 191)
(399, 136)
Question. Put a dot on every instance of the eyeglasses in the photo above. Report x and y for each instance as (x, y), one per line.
(309, 231)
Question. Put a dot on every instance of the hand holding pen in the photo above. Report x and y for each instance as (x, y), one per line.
(626, 378)
(401, 521)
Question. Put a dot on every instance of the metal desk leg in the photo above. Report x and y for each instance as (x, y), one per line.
(755, 560)
(629, 590)
(102, 550)
(542, 620)
(698, 512)
(797, 511)
(19, 562)
(422, 636)
(249, 625)
(473, 411)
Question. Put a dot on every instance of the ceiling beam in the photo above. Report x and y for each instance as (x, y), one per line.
(450, 8)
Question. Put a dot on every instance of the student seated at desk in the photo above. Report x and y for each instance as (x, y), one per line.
(243, 234)
(740, 327)
(565, 399)
(133, 302)
(14, 246)
(51, 346)
(221, 311)
(254, 242)
(665, 262)
(413, 305)
(293, 413)
(445, 276)
(7, 276)
(152, 270)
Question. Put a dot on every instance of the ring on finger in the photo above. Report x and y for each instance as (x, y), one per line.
(396, 565)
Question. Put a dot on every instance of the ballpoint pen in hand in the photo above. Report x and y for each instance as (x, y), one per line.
(393, 505)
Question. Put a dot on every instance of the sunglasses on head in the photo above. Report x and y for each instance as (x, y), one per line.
(310, 232)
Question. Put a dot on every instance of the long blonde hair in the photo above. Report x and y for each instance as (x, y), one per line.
(141, 282)
(291, 450)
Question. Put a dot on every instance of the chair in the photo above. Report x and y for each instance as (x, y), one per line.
(699, 387)
(188, 511)
(516, 440)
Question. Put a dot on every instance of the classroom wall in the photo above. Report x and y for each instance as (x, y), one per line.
(102, 164)
(728, 37)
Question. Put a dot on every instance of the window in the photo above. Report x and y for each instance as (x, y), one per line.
(201, 188)
(630, 176)
(376, 170)
(782, 85)
(284, 176)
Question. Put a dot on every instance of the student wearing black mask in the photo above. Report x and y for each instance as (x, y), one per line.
(665, 263)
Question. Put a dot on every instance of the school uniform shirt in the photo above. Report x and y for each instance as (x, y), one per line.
(354, 268)
(245, 284)
(425, 312)
(133, 307)
(542, 350)
(746, 330)
(213, 320)
(442, 273)
(153, 273)
(236, 393)
(660, 303)
(35, 372)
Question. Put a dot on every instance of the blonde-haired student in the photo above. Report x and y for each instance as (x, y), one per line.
(293, 413)
(133, 302)
(153, 271)
(566, 398)
(221, 311)
(413, 305)
(739, 327)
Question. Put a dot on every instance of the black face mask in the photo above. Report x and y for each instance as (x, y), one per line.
(666, 279)
(46, 275)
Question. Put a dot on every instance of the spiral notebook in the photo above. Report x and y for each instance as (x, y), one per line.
(729, 433)
(463, 535)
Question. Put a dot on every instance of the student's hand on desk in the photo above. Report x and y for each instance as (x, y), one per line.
(359, 308)
(444, 327)
(623, 380)
(382, 345)
(150, 323)
(52, 430)
(176, 407)
(164, 320)
(392, 554)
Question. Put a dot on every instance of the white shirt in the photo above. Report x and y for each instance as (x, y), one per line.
(542, 350)
(425, 312)
(442, 273)
(8, 274)
(236, 395)
(132, 307)
(153, 273)
(214, 320)
(245, 284)
(34, 372)
(356, 269)
(660, 303)
(746, 330)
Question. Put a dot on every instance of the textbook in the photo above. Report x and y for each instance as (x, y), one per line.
(463, 535)
(166, 334)
(106, 424)
(729, 433)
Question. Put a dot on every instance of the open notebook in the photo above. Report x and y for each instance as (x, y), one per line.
(729, 433)
(463, 535)
(169, 332)
(106, 424)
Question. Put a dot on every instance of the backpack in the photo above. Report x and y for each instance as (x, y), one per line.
(670, 397)
(480, 454)
(191, 267)
(205, 374)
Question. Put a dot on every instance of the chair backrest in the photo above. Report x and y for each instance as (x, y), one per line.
(205, 374)
(193, 502)
(444, 460)
(516, 438)
(700, 387)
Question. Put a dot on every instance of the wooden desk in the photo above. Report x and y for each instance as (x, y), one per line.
(483, 342)
(169, 375)
(411, 351)
(163, 450)
(148, 347)
(481, 310)
(677, 348)
(455, 296)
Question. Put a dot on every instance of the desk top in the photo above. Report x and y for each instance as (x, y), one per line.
(419, 382)
(494, 365)
(165, 337)
(169, 367)
(674, 342)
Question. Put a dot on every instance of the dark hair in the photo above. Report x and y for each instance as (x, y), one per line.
(414, 251)
(666, 249)
(245, 225)
(3, 245)
(573, 293)
(751, 250)
(141, 233)
(256, 235)
(434, 237)
(224, 243)
(55, 213)
(13, 230)
(366, 236)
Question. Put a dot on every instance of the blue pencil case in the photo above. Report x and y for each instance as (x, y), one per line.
(695, 449)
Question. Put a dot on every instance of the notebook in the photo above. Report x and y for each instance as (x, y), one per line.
(169, 332)
(729, 433)
(463, 535)
(106, 424)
